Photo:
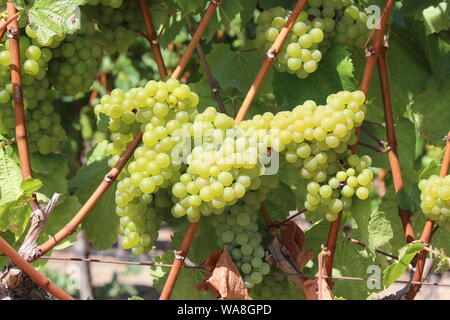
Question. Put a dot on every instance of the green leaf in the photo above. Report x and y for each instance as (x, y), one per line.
(225, 14)
(204, 243)
(187, 279)
(249, 7)
(50, 18)
(189, 6)
(374, 228)
(237, 69)
(101, 223)
(10, 178)
(30, 185)
(431, 110)
(280, 202)
(135, 298)
(437, 17)
(431, 169)
(396, 270)
(335, 73)
(409, 201)
(14, 216)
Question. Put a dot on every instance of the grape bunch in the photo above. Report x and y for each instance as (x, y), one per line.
(75, 61)
(276, 287)
(435, 198)
(114, 33)
(238, 230)
(316, 28)
(300, 54)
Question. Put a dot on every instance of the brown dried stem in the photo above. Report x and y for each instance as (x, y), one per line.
(428, 231)
(153, 38)
(267, 63)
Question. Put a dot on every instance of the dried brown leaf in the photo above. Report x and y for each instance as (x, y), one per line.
(223, 278)
(293, 238)
(311, 289)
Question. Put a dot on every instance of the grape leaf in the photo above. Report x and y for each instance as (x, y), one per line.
(280, 202)
(374, 229)
(205, 241)
(396, 270)
(189, 6)
(53, 176)
(225, 14)
(236, 69)
(249, 7)
(101, 223)
(431, 109)
(187, 279)
(437, 17)
(49, 18)
(431, 169)
(335, 73)
(10, 178)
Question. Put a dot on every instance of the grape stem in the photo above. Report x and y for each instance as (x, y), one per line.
(35, 275)
(212, 81)
(380, 142)
(375, 148)
(321, 274)
(269, 59)
(152, 37)
(428, 231)
(359, 243)
(19, 113)
(372, 57)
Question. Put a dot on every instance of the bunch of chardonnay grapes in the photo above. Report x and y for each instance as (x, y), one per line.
(276, 287)
(238, 229)
(435, 198)
(320, 24)
(115, 35)
(300, 53)
(315, 140)
(75, 61)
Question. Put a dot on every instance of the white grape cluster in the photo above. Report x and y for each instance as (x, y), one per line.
(75, 61)
(315, 140)
(435, 198)
(238, 229)
(316, 28)
(224, 166)
(300, 54)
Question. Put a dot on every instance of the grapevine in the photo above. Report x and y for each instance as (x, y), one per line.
(237, 124)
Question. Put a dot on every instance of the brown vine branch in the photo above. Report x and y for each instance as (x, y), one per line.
(179, 261)
(331, 247)
(196, 38)
(153, 38)
(270, 58)
(428, 230)
(380, 142)
(36, 276)
(212, 81)
(19, 113)
(5, 24)
(374, 148)
(405, 215)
